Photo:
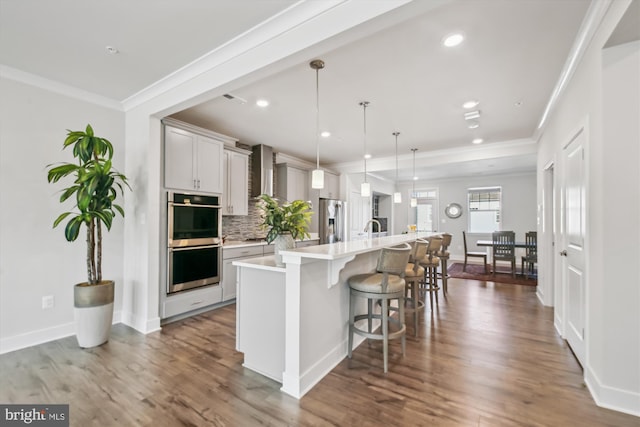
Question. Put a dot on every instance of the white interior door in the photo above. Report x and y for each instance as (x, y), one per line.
(574, 277)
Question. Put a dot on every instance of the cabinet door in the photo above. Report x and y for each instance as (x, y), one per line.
(296, 184)
(238, 176)
(178, 159)
(229, 277)
(226, 205)
(331, 188)
(209, 165)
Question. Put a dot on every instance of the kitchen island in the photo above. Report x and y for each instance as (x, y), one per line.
(292, 321)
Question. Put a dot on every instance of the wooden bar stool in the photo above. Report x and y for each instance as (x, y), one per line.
(430, 263)
(412, 276)
(443, 254)
(386, 284)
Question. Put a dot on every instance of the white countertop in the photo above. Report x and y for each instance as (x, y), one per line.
(247, 243)
(339, 250)
(261, 263)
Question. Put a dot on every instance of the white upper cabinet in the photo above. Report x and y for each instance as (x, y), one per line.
(235, 197)
(192, 162)
(331, 188)
(193, 157)
(291, 183)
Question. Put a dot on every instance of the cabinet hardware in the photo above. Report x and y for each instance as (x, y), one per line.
(563, 253)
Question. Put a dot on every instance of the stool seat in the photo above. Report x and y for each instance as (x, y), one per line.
(372, 283)
(412, 271)
(381, 287)
(433, 261)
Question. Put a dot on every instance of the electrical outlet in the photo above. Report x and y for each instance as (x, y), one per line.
(47, 302)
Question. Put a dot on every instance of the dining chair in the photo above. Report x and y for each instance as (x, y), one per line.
(531, 255)
(468, 254)
(386, 284)
(504, 244)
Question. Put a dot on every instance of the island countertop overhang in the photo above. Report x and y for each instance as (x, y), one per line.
(338, 250)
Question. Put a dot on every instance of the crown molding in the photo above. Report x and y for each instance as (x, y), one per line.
(14, 74)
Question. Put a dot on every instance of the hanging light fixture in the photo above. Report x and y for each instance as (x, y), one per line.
(414, 199)
(317, 176)
(365, 187)
(397, 196)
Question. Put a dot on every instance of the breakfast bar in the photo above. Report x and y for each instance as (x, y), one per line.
(292, 321)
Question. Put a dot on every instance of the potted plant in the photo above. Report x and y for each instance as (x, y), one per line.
(285, 222)
(95, 187)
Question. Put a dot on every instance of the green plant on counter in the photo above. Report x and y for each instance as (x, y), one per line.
(291, 217)
(96, 184)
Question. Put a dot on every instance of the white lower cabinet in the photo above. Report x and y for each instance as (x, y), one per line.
(183, 302)
(229, 271)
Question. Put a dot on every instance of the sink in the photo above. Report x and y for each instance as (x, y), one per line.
(255, 239)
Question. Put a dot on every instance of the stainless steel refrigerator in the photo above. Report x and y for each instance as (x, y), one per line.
(332, 217)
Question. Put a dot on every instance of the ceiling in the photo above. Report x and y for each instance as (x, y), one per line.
(510, 61)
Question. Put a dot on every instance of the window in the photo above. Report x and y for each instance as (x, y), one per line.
(485, 205)
(427, 210)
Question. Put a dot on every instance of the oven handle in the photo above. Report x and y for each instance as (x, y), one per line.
(194, 205)
(187, 248)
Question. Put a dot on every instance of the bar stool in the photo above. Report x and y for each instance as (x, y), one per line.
(443, 254)
(412, 276)
(430, 264)
(386, 284)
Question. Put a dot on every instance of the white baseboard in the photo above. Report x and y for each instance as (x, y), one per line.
(41, 336)
(610, 397)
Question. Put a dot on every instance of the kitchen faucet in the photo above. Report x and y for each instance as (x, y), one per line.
(366, 227)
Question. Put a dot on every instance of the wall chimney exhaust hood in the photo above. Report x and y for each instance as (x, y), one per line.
(262, 170)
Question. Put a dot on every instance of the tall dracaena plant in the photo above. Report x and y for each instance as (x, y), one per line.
(95, 188)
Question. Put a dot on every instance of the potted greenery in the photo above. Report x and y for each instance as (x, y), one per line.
(95, 187)
(285, 222)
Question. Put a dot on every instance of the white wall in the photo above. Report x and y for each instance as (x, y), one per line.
(518, 206)
(603, 94)
(36, 260)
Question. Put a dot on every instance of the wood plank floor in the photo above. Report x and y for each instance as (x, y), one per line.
(488, 356)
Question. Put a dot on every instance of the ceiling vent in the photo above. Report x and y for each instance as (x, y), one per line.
(472, 115)
(235, 98)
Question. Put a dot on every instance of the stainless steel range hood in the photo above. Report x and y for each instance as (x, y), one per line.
(262, 170)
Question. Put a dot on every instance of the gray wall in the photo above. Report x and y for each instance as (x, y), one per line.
(519, 212)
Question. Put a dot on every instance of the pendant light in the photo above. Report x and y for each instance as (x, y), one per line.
(317, 176)
(397, 196)
(365, 187)
(414, 199)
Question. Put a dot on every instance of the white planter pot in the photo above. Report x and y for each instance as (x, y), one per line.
(93, 313)
(283, 242)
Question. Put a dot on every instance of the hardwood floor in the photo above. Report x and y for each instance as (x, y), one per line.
(488, 356)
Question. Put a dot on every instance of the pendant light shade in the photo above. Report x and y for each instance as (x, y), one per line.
(397, 196)
(414, 199)
(365, 187)
(317, 176)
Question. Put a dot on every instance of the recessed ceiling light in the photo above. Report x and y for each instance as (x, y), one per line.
(415, 178)
(262, 103)
(474, 124)
(453, 39)
(112, 50)
(470, 104)
(478, 141)
(367, 156)
(325, 134)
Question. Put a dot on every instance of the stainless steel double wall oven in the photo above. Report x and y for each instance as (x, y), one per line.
(194, 241)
